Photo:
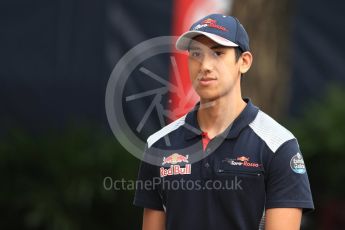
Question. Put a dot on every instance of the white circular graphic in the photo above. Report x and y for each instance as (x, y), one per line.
(114, 98)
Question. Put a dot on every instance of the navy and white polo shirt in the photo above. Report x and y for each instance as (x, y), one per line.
(256, 164)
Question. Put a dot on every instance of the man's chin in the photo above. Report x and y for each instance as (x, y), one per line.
(208, 97)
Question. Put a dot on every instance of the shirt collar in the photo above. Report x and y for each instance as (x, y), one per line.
(245, 118)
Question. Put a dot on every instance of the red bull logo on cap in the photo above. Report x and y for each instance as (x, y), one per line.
(209, 22)
(174, 159)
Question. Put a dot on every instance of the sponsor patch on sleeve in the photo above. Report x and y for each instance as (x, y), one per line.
(297, 164)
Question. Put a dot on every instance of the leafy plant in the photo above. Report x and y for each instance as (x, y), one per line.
(55, 181)
(321, 135)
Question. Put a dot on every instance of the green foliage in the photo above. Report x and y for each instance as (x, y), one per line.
(322, 128)
(56, 181)
(321, 135)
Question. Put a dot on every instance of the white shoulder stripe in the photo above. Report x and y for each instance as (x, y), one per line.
(270, 131)
(165, 130)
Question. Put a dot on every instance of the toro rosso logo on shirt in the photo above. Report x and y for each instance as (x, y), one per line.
(210, 23)
(242, 161)
(175, 169)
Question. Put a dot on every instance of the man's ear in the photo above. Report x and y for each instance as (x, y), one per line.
(246, 61)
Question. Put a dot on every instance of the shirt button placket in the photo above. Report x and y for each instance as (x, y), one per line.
(207, 169)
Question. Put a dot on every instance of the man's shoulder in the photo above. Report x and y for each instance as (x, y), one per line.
(165, 131)
(270, 131)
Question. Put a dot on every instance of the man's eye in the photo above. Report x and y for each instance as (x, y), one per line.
(195, 54)
(218, 53)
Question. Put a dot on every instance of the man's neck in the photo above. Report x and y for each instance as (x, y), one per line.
(215, 116)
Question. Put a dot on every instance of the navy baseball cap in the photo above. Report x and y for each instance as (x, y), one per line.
(225, 30)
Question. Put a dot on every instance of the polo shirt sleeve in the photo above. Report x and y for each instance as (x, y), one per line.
(287, 184)
(147, 194)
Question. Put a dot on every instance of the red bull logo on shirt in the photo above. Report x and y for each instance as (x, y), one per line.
(175, 169)
(174, 159)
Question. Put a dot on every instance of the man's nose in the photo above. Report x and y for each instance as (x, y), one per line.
(207, 63)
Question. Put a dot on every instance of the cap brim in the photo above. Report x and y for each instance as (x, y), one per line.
(184, 40)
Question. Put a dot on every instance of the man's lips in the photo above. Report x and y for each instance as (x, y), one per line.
(206, 81)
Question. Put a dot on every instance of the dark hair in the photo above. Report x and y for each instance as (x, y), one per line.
(238, 53)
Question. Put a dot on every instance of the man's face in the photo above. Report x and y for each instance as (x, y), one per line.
(213, 69)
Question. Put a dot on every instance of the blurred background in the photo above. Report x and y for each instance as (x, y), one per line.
(56, 146)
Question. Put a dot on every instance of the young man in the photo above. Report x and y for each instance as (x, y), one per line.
(228, 165)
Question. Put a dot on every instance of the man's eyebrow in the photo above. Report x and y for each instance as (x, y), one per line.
(218, 46)
(193, 48)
